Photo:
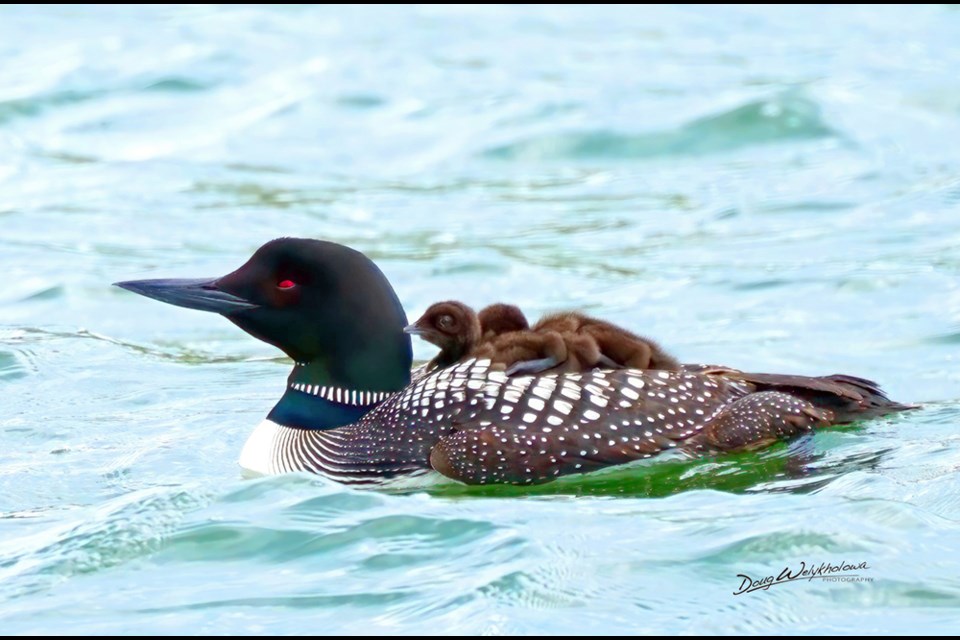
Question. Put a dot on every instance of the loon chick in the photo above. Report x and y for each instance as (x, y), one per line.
(497, 334)
(452, 326)
(351, 412)
(566, 342)
(617, 346)
(458, 330)
(501, 318)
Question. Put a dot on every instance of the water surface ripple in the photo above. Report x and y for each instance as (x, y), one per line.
(770, 188)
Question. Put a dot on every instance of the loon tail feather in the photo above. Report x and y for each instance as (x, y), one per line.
(849, 397)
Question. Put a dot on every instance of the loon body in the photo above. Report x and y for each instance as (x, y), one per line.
(352, 412)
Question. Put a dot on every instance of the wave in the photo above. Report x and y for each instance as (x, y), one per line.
(785, 117)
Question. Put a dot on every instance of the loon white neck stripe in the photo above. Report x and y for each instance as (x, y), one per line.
(342, 396)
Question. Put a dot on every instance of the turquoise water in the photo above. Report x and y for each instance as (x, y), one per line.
(772, 189)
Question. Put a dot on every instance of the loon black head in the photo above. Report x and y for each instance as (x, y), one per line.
(325, 305)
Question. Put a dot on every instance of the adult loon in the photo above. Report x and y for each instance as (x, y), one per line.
(352, 412)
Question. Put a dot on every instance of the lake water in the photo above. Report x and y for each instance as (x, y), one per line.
(775, 189)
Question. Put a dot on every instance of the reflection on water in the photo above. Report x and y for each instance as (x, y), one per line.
(770, 188)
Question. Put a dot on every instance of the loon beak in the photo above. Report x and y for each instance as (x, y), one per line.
(195, 293)
(414, 330)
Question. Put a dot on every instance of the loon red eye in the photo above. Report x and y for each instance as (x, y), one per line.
(286, 284)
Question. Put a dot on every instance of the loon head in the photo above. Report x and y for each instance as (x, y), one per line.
(325, 305)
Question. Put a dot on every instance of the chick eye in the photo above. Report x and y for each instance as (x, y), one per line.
(286, 284)
(445, 322)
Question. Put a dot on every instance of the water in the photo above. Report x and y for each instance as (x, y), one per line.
(770, 188)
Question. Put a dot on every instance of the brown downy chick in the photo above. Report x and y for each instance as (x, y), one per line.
(500, 332)
(501, 318)
(452, 326)
(618, 347)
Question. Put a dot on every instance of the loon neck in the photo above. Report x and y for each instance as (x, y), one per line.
(316, 398)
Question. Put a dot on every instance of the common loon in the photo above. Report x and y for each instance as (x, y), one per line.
(352, 412)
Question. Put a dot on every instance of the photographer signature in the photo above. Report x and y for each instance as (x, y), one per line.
(841, 572)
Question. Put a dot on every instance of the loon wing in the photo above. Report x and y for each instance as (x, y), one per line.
(493, 455)
(755, 410)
